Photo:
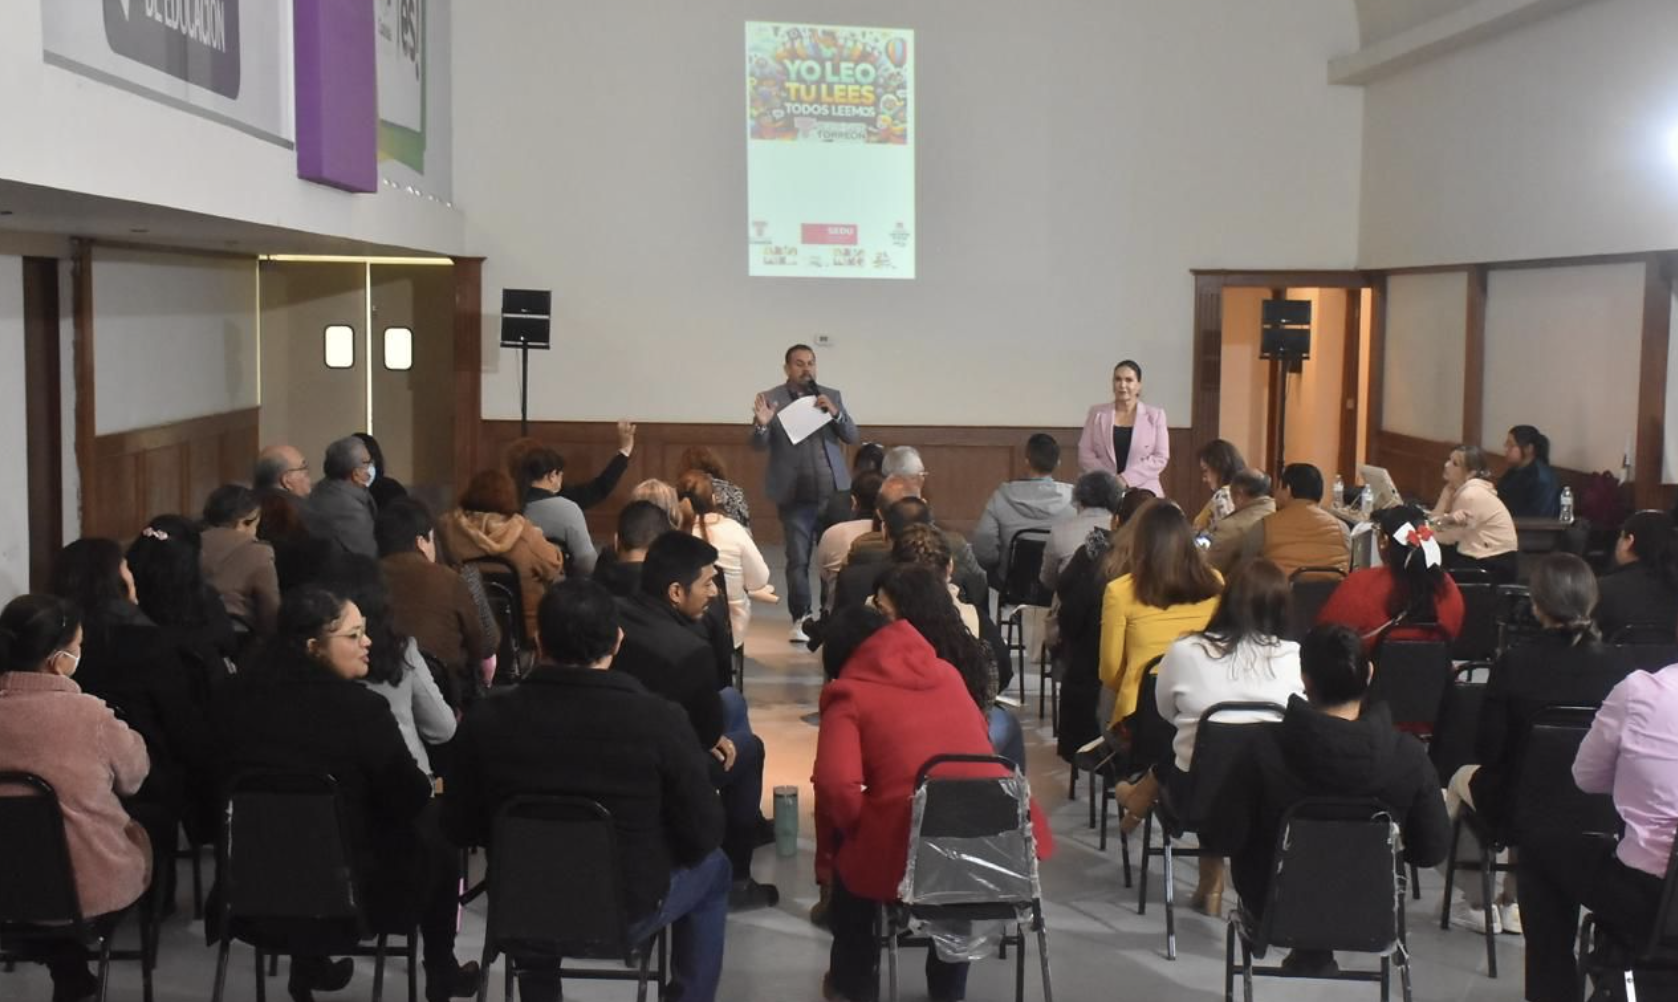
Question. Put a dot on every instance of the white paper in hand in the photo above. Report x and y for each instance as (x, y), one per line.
(802, 418)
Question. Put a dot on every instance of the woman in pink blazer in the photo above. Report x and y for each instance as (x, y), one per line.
(1127, 436)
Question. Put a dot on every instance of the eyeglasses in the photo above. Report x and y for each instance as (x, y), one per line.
(356, 634)
(298, 469)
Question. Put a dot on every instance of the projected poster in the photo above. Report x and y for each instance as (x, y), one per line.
(830, 151)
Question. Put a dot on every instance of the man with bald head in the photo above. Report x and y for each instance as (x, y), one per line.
(876, 547)
(282, 467)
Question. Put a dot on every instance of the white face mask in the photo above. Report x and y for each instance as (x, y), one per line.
(75, 662)
(372, 474)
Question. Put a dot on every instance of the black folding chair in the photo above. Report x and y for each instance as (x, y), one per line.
(1453, 741)
(1311, 588)
(38, 900)
(1646, 646)
(972, 858)
(1517, 623)
(1412, 677)
(506, 601)
(1545, 800)
(1218, 745)
(1022, 589)
(1336, 883)
(1478, 639)
(288, 883)
(555, 893)
(1601, 954)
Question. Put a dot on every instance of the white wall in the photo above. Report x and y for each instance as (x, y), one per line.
(14, 440)
(1556, 139)
(88, 137)
(175, 337)
(1562, 349)
(1075, 161)
(1422, 378)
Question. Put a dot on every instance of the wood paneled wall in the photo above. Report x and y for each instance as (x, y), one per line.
(170, 468)
(965, 464)
(1417, 468)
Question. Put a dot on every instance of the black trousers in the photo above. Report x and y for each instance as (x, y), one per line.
(854, 963)
(1556, 878)
(1502, 567)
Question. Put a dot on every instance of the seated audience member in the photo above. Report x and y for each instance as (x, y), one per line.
(237, 564)
(383, 487)
(661, 494)
(1642, 587)
(1328, 745)
(1219, 461)
(1239, 657)
(1300, 533)
(968, 576)
(730, 498)
(835, 543)
(1249, 495)
(542, 475)
(873, 545)
(1081, 588)
(1095, 499)
(166, 561)
(639, 523)
(664, 652)
(577, 727)
(488, 524)
(743, 568)
(1473, 524)
(856, 581)
(1409, 597)
(841, 507)
(298, 709)
(429, 602)
(282, 468)
(1169, 591)
(298, 556)
(926, 546)
(398, 674)
(339, 508)
(1630, 753)
(905, 461)
(584, 494)
(130, 663)
(1565, 664)
(715, 626)
(1529, 488)
(1037, 502)
(893, 705)
(75, 742)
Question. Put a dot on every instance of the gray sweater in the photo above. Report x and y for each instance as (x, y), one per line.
(421, 714)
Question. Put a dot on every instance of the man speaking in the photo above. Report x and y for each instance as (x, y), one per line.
(802, 474)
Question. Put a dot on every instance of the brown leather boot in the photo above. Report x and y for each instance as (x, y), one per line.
(1209, 892)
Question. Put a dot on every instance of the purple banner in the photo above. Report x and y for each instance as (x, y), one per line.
(337, 94)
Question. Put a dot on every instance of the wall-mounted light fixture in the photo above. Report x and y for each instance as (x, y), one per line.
(399, 349)
(340, 346)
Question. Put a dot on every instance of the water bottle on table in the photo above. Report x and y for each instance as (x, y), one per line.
(1567, 506)
(1339, 491)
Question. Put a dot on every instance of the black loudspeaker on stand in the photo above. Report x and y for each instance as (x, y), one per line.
(525, 314)
(1285, 335)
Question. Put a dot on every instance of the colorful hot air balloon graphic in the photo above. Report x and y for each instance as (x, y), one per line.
(897, 50)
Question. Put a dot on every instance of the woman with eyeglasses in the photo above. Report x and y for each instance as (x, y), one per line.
(75, 742)
(236, 563)
(299, 709)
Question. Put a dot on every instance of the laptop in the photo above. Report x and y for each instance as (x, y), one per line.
(1380, 482)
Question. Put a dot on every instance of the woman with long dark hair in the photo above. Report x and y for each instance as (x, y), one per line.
(918, 595)
(1409, 597)
(74, 741)
(167, 562)
(1642, 587)
(1219, 461)
(1168, 592)
(298, 709)
(742, 565)
(1528, 488)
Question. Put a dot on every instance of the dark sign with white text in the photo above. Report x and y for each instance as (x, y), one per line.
(192, 40)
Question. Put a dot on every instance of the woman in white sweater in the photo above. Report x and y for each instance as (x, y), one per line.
(1239, 657)
(743, 567)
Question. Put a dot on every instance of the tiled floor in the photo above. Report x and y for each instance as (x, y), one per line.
(1100, 947)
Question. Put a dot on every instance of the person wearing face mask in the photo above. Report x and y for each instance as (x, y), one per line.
(298, 709)
(74, 741)
(340, 508)
(380, 484)
(1126, 437)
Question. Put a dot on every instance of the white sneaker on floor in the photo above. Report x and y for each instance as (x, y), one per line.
(1509, 917)
(798, 636)
(1467, 916)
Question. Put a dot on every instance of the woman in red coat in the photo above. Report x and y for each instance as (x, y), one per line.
(1409, 597)
(894, 706)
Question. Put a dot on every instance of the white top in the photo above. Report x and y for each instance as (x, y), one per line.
(742, 565)
(1193, 679)
(417, 704)
(835, 546)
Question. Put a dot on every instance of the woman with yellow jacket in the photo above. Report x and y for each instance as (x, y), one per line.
(1169, 591)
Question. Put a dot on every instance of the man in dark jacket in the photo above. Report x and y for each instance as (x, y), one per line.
(575, 727)
(1327, 747)
(662, 648)
(619, 571)
(339, 508)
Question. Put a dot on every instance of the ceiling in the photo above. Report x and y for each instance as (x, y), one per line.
(1382, 19)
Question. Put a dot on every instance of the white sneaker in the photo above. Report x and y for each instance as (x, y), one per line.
(798, 636)
(1509, 916)
(1467, 916)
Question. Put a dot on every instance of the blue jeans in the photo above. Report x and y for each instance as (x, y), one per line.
(798, 523)
(741, 787)
(696, 909)
(1006, 737)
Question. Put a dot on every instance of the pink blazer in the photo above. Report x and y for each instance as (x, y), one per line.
(1150, 446)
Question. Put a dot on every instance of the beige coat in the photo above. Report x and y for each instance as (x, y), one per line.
(49, 727)
(469, 535)
(241, 570)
